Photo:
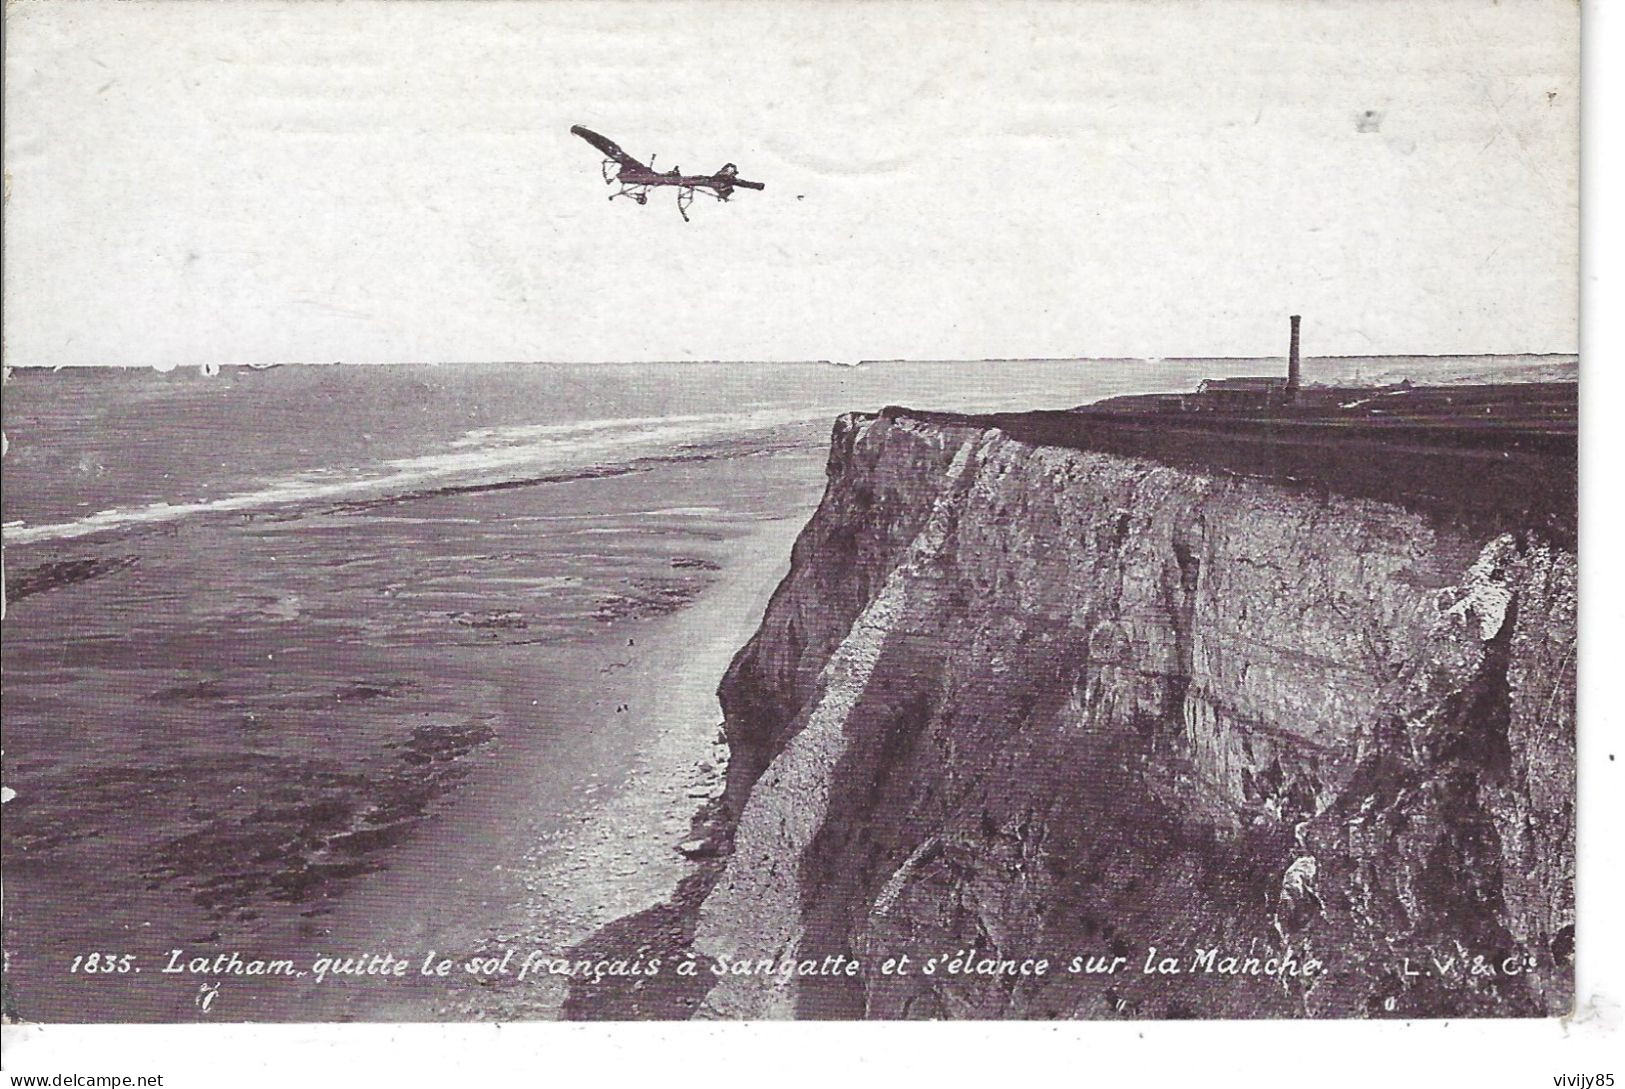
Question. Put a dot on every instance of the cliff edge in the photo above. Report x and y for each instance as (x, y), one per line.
(1022, 699)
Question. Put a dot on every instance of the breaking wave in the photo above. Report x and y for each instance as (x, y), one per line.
(485, 457)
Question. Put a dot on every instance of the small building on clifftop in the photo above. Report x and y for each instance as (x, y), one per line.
(1221, 394)
(1244, 394)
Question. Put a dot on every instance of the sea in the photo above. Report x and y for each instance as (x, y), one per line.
(334, 661)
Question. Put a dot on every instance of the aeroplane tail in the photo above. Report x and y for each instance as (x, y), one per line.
(729, 176)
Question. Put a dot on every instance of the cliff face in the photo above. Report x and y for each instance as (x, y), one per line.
(1030, 701)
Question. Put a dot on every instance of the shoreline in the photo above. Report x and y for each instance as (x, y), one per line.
(453, 709)
(545, 870)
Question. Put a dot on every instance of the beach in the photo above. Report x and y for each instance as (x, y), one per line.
(442, 722)
(549, 850)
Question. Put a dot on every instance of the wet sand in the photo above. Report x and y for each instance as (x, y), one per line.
(555, 843)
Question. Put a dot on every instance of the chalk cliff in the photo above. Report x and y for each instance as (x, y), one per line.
(1036, 701)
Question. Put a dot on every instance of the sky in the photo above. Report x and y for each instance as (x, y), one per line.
(375, 182)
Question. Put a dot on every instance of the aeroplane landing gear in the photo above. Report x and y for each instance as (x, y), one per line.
(639, 195)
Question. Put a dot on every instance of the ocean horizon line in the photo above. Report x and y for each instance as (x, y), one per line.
(944, 361)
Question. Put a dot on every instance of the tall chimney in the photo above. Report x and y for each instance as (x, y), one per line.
(1292, 363)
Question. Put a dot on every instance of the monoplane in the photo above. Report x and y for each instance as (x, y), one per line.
(636, 179)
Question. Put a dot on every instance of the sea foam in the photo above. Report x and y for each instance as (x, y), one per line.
(482, 456)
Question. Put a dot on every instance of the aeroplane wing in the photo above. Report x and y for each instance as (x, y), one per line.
(609, 147)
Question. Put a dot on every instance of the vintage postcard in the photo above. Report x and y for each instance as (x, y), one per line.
(561, 511)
